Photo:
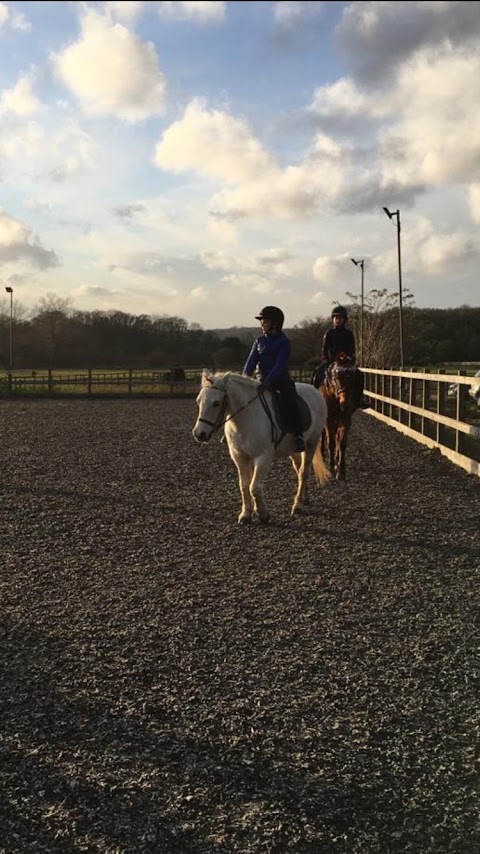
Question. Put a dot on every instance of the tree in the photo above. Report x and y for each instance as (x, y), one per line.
(381, 339)
(50, 323)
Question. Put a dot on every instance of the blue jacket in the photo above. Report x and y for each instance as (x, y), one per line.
(270, 354)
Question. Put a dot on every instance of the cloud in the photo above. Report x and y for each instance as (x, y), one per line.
(20, 99)
(217, 145)
(213, 143)
(124, 10)
(295, 191)
(17, 243)
(13, 19)
(128, 211)
(198, 11)
(200, 294)
(111, 71)
(290, 12)
(377, 37)
(341, 106)
(330, 270)
(420, 133)
(264, 273)
(295, 22)
(474, 201)
(94, 291)
(437, 135)
(219, 260)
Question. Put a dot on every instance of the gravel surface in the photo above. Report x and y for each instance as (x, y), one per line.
(174, 682)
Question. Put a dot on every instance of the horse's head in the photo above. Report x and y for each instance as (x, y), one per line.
(212, 404)
(341, 379)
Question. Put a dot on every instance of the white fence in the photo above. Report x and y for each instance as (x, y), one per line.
(419, 405)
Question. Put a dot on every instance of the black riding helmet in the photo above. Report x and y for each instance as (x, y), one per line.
(271, 312)
(340, 311)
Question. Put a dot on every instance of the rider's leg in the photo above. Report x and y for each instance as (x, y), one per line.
(318, 377)
(288, 395)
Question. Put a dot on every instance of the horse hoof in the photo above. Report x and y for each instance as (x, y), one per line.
(297, 510)
(244, 520)
(264, 519)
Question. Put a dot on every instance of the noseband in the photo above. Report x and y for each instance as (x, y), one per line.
(218, 421)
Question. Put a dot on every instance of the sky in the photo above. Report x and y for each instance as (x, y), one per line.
(205, 159)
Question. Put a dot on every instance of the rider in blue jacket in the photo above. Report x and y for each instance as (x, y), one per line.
(269, 358)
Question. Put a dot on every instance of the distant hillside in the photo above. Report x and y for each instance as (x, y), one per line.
(244, 333)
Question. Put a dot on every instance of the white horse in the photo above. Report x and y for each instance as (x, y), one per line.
(255, 437)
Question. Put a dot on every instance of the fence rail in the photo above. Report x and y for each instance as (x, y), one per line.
(94, 383)
(417, 404)
(91, 382)
(420, 405)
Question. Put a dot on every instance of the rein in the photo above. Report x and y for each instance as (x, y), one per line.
(269, 416)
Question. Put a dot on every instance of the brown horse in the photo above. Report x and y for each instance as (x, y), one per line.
(339, 391)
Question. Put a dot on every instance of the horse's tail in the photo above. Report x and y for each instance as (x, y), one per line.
(322, 472)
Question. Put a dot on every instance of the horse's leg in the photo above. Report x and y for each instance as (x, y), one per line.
(302, 468)
(261, 468)
(245, 472)
(297, 463)
(324, 443)
(331, 429)
(342, 433)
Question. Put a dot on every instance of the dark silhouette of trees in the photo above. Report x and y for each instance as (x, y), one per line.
(57, 336)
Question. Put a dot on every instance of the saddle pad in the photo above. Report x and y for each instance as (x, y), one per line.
(304, 410)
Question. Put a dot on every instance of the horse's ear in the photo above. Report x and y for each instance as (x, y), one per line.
(206, 377)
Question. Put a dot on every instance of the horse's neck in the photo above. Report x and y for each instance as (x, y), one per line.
(239, 392)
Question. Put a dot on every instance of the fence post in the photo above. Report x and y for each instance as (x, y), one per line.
(425, 399)
(129, 380)
(441, 401)
(50, 381)
(411, 398)
(89, 382)
(461, 413)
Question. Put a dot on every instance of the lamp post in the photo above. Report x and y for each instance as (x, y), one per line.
(360, 264)
(10, 291)
(390, 215)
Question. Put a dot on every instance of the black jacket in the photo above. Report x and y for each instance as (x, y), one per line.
(338, 340)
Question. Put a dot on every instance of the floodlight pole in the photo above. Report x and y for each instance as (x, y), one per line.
(361, 264)
(390, 215)
(10, 291)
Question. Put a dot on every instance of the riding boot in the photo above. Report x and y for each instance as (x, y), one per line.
(299, 444)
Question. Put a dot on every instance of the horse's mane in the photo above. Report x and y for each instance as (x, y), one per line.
(221, 378)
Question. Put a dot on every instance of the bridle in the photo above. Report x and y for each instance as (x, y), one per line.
(220, 420)
(342, 366)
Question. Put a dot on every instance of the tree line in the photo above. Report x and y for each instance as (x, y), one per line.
(58, 336)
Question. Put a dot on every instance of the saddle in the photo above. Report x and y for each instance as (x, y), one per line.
(283, 417)
(322, 372)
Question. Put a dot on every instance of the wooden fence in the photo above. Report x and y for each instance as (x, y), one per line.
(94, 383)
(417, 404)
(420, 405)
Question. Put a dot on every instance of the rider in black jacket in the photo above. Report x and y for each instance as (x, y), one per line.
(337, 340)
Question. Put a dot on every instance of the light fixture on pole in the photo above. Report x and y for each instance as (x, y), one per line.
(390, 215)
(10, 291)
(360, 264)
